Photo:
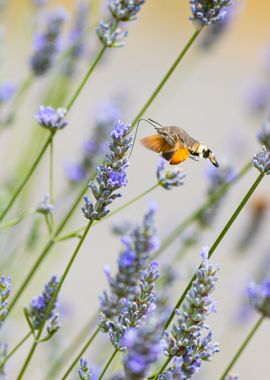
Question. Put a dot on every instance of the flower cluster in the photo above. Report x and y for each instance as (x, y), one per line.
(169, 178)
(187, 338)
(121, 11)
(264, 134)
(217, 178)
(51, 118)
(37, 310)
(132, 288)
(208, 12)
(143, 348)
(45, 207)
(46, 44)
(259, 296)
(77, 38)
(111, 175)
(261, 161)
(5, 286)
(175, 370)
(96, 145)
(85, 372)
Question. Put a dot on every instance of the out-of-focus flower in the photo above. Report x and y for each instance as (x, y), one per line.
(258, 96)
(217, 178)
(208, 12)
(169, 178)
(85, 372)
(45, 207)
(40, 3)
(92, 149)
(259, 296)
(187, 338)
(77, 38)
(263, 134)
(3, 355)
(5, 286)
(7, 91)
(110, 33)
(143, 348)
(261, 161)
(46, 44)
(37, 310)
(258, 209)
(52, 119)
(111, 175)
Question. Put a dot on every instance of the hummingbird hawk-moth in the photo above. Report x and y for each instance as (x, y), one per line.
(175, 144)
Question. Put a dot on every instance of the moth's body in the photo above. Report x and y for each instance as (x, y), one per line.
(176, 145)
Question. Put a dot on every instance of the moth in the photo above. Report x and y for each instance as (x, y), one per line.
(175, 144)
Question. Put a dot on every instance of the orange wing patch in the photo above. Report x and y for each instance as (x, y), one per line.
(179, 156)
(155, 143)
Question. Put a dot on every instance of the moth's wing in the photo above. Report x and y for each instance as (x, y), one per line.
(155, 143)
(180, 155)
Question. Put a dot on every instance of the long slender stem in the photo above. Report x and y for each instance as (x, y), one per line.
(242, 347)
(107, 365)
(218, 240)
(162, 368)
(26, 178)
(77, 358)
(86, 77)
(51, 174)
(167, 75)
(50, 306)
(15, 221)
(12, 352)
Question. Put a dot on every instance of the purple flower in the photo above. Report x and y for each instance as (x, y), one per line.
(74, 171)
(46, 44)
(5, 286)
(143, 348)
(7, 91)
(51, 118)
(125, 10)
(187, 338)
(208, 12)
(259, 296)
(169, 178)
(111, 175)
(109, 36)
(85, 372)
(39, 305)
(261, 161)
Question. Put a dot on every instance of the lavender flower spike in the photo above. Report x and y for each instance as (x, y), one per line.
(46, 44)
(51, 119)
(85, 372)
(111, 175)
(208, 12)
(125, 10)
(143, 348)
(187, 338)
(261, 161)
(5, 285)
(259, 296)
(37, 310)
(169, 178)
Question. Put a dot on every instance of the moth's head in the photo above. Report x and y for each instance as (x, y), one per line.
(207, 153)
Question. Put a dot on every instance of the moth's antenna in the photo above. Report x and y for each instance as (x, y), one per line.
(149, 121)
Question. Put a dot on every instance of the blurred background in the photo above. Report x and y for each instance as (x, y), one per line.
(214, 95)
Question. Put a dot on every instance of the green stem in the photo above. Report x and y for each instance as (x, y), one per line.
(51, 174)
(85, 79)
(76, 232)
(169, 239)
(17, 220)
(26, 178)
(162, 368)
(77, 358)
(217, 241)
(52, 301)
(167, 75)
(242, 347)
(107, 365)
(21, 342)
